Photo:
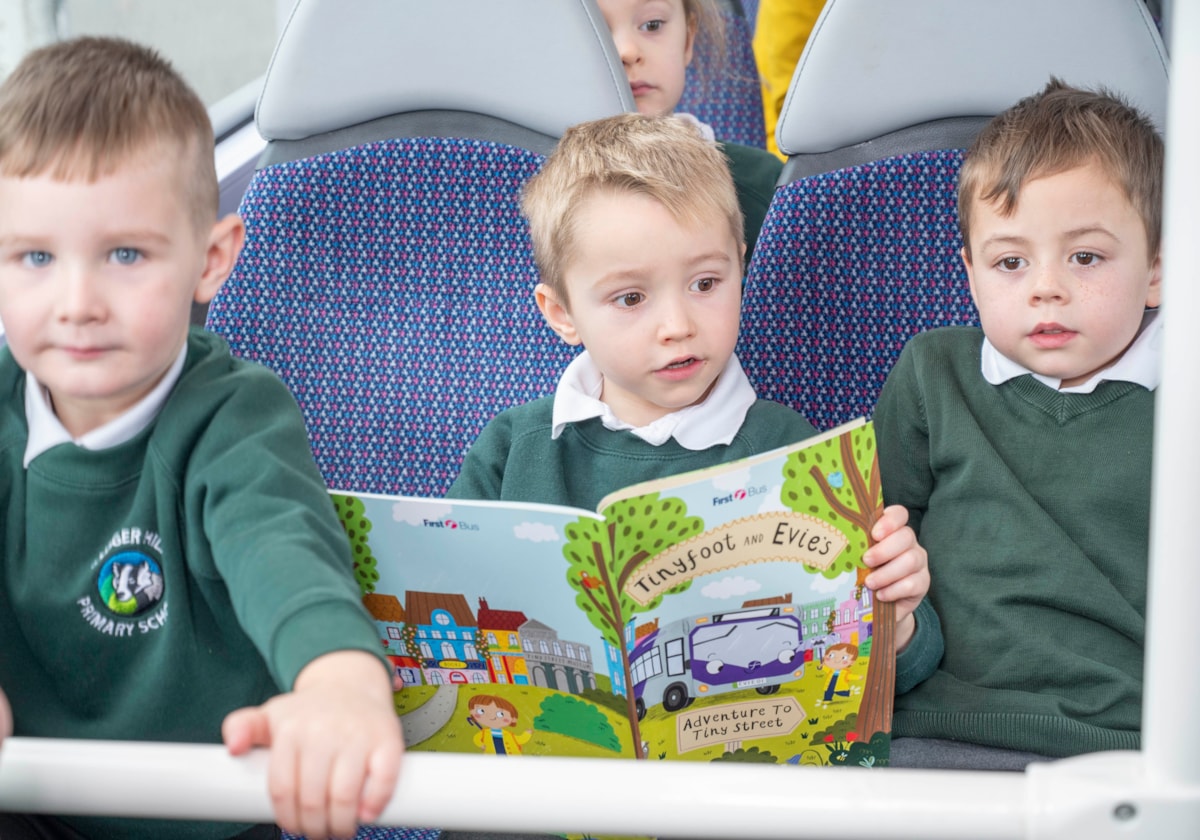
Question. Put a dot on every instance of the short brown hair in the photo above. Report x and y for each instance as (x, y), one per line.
(81, 108)
(1060, 128)
(498, 702)
(663, 158)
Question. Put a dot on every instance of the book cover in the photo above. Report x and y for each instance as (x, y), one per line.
(718, 615)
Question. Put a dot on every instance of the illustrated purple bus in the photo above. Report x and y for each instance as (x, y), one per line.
(708, 654)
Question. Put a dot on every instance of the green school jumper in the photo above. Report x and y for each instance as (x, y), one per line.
(151, 588)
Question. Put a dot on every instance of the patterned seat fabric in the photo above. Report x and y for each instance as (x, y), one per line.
(390, 286)
(371, 832)
(850, 264)
(726, 94)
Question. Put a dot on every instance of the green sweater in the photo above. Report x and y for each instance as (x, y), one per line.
(1034, 508)
(755, 172)
(515, 458)
(151, 588)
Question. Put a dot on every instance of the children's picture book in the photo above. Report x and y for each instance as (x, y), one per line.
(717, 615)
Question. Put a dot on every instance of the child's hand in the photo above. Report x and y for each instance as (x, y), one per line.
(900, 569)
(6, 722)
(335, 745)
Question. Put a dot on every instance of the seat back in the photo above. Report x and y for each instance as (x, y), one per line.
(860, 248)
(388, 275)
(722, 87)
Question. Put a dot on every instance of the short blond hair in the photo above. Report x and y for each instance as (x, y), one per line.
(1060, 128)
(83, 107)
(663, 158)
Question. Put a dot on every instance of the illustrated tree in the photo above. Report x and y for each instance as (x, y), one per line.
(603, 556)
(356, 524)
(842, 475)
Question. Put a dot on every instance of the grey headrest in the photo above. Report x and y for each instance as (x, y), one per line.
(872, 67)
(541, 64)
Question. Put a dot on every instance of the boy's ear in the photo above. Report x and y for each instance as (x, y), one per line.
(224, 244)
(966, 258)
(1154, 293)
(555, 313)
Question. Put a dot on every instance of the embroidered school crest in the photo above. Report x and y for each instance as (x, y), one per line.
(130, 583)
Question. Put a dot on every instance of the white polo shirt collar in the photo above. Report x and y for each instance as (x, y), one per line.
(714, 421)
(46, 431)
(1139, 364)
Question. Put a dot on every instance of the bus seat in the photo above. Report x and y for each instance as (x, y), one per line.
(387, 275)
(860, 247)
(750, 8)
(722, 89)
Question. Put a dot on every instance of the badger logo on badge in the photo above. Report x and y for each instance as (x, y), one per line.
(130, 583)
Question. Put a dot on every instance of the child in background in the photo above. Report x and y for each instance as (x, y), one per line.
(1023, 450)
(638, 240)
(171, 558)
(655, 39)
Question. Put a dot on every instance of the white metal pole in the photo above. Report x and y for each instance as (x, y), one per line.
(1171, 717)
(609, 796)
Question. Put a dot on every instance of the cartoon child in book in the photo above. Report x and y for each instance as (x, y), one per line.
(838, 660)
(494, 716)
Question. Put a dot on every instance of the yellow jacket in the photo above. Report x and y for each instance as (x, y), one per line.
(780, 33)
(512, 742)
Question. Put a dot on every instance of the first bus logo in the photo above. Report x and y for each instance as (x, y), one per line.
(452, 524)
(739, 494)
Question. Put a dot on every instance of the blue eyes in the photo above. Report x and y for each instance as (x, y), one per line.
(37, 259)
(120, 256)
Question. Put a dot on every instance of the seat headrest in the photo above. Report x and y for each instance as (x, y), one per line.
(872, 67)
(541, 65)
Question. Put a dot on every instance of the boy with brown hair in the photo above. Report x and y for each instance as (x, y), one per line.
(171, 559)
(638, 240)
(1023, 449)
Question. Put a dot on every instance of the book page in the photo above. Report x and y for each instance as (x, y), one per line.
(717, 617)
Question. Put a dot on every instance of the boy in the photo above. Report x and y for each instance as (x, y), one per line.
(638, 240)
(492, 715)
(1023, 449)
(170, 556)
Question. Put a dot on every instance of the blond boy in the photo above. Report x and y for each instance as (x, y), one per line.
(1022, 449)
(638, 240)
(170, 556)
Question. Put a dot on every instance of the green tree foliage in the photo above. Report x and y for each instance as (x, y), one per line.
(837, 481)
(354, 520)
(601, 558)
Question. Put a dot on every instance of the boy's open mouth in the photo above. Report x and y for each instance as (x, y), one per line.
(682, 363)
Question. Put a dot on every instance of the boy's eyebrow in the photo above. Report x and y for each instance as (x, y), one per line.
(11, 240)
(634, 273)
(1014, 239)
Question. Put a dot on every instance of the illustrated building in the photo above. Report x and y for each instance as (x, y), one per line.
(501, 629)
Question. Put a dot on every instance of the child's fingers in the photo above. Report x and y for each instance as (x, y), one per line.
(5, 717)
(283, 785)
(246, 728)
(888, 548)
(894, 518)
(347, 780)
(383, 770)
(314, 792)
